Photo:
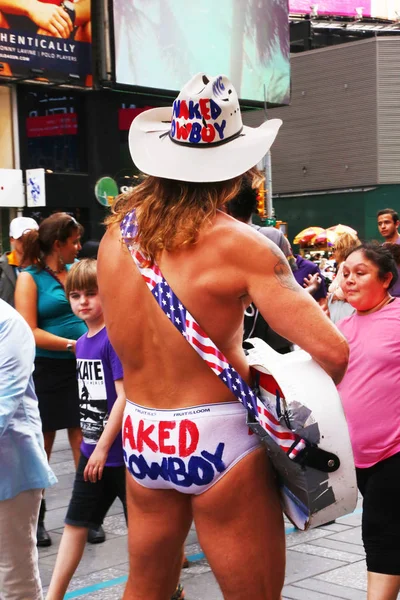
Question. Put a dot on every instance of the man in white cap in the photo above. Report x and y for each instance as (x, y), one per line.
(187, 448)
(10, 262)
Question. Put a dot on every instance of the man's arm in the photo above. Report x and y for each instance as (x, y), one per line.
(49, 17)
(82, 12)
(17, 7)
(290, 310)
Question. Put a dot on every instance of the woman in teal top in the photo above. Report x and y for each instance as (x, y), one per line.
(41, 300)
(54, 312)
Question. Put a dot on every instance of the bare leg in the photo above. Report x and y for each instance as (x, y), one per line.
(49, 437)
(158, 523)
(239, 523)
(75, 439)
(383, 587)
(68, 558)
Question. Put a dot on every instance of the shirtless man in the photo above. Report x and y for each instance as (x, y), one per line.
(216, 266)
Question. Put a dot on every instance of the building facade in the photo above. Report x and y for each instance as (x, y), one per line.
(337, 156)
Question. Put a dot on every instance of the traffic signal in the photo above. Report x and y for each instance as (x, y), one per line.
(261, 202)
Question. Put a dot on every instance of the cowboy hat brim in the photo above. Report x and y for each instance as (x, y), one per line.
(154, 153)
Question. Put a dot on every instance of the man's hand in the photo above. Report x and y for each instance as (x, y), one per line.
(94, 469)
(52, 19)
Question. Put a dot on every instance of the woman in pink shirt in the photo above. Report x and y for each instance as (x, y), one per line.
(370, 392)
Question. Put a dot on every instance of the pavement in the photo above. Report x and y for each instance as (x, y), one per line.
(326, 563)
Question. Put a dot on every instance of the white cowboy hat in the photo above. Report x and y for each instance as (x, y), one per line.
(201, 137)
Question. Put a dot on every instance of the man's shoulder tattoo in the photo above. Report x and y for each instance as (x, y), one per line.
(284, 275)
(282, 270)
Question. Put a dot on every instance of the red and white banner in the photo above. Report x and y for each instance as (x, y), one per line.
(126, 116)
(51, 125)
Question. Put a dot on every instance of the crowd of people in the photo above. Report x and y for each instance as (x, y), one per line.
(100, 337)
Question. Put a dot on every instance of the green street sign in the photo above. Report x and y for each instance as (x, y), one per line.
(270, 222)
(105, 191)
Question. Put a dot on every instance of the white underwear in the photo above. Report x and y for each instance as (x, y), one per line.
(187, 449)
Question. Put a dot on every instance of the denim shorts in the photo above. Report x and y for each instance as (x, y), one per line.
(91, 501)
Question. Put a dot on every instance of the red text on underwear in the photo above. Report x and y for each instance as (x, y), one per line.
(156, 436)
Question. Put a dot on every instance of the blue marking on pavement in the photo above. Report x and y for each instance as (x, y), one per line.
(191, 558)
(95, 587)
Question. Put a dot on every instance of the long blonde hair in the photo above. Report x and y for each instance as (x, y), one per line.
(170, 214)
(344, 244)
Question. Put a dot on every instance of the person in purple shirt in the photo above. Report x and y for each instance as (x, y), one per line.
(100, 476)
(305, 274)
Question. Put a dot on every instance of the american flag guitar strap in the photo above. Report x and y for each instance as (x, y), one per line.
(290, 442)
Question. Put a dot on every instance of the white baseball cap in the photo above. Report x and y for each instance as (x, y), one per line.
(22, 225)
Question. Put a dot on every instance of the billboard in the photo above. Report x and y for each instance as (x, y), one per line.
(47, 39)
(49, 126)
(330, 7)
(163, 43)
(383, 9)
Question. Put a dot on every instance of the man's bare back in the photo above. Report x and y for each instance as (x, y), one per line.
(216, 278)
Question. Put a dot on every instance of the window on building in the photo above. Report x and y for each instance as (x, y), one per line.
(52, 129)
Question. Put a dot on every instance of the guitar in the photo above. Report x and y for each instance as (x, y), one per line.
(304, 430)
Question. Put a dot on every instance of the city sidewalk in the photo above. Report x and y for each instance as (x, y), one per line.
(326, 563)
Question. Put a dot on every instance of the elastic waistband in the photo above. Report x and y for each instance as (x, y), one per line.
(202, 410)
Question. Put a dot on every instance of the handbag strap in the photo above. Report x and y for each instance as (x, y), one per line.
(187, 325)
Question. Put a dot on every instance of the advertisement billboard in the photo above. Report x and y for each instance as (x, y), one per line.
(383, 9)
(46, 39)
(386, 9)
(163, 43)
(345, 8)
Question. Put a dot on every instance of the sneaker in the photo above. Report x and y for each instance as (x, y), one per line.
(43, 540)
(42, 537)
(179, 593)
(96, 535)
